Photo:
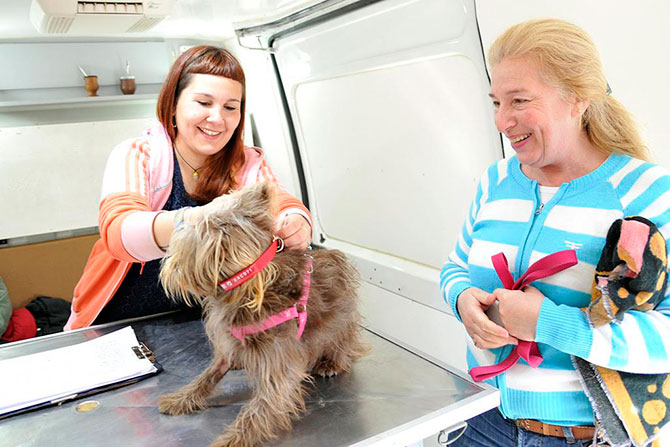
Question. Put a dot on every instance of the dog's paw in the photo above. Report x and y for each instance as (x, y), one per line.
(176, 404)
(325, 368)
(231, 438)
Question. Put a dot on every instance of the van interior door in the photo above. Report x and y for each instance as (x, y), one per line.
(393, 127)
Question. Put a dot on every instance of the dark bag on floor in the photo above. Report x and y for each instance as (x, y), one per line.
(50, 314)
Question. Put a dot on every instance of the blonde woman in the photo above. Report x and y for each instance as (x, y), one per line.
(579, 166)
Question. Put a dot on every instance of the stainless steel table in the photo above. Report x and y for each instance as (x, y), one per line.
(393, 397)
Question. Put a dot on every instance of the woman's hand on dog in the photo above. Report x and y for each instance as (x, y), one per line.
(295, 231)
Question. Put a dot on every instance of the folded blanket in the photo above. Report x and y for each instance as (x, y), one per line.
(631, 275)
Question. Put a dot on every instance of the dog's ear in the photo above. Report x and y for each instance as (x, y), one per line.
(257, 203)
(190, 269)
(260, 195)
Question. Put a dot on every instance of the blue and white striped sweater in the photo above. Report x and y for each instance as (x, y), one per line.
(503, 218)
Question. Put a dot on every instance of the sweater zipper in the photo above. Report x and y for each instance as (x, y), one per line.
(539, 206)
(504, 352)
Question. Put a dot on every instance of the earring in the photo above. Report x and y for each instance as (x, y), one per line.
(174, 121)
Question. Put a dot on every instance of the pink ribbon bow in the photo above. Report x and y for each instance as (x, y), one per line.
(526, 350)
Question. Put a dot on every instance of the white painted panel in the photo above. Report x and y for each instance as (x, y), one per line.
(414, 324)
(264, 103)
(50, 176)
(396, 147)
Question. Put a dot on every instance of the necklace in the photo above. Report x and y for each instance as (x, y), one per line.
(195, 171)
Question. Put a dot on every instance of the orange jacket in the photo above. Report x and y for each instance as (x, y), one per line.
(136, 186)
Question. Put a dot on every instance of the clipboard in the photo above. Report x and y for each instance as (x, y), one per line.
(139, 364)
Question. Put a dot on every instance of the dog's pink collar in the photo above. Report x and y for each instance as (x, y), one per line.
(298, 310)
(253, 270)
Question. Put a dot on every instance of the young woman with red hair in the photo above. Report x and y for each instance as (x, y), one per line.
(171, 174)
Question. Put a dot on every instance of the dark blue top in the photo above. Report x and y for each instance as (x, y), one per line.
(142, 294)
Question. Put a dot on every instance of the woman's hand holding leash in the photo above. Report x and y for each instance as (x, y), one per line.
(519, 310)
(472, 303)
(295, 231)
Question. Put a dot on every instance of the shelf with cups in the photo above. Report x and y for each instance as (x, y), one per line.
(66, 97)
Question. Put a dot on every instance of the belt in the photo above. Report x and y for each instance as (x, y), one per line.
(580, 432)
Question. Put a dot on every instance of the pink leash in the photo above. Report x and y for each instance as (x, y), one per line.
(527, 350)
(298, 310)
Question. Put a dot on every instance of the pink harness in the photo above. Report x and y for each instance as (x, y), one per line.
(298, 310)
(526, 350)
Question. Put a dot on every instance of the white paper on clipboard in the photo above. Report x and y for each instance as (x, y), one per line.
(47, 377)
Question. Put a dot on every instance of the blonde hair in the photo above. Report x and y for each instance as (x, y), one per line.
(570, 62)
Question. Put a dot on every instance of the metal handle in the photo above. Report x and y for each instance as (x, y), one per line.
(443, 436)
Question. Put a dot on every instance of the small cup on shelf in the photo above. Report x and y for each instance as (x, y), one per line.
(91, 85)
(127, 84)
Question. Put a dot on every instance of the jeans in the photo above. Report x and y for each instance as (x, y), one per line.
(491, 429)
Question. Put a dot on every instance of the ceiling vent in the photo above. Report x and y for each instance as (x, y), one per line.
(97, 17)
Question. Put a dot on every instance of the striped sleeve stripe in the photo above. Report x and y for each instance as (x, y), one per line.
(601, 346)
(468, 225)
(656, 348)
(632, 336)
(658, 206)
(460, 255)
(661, 221)
(265, 174)
(661, 323)
(480, 197)
(502, 170)
(665, 231)
(129, 157)
(618, 176)
(455, 271)
(484, 195)
(462, 247)
(611, 343)
(640, 185)
(145, 161)
(452, 271)
(136, 163)
(449, 284)
(619, 355)
(466, 236)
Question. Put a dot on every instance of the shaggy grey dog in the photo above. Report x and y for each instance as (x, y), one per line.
(278, 363)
